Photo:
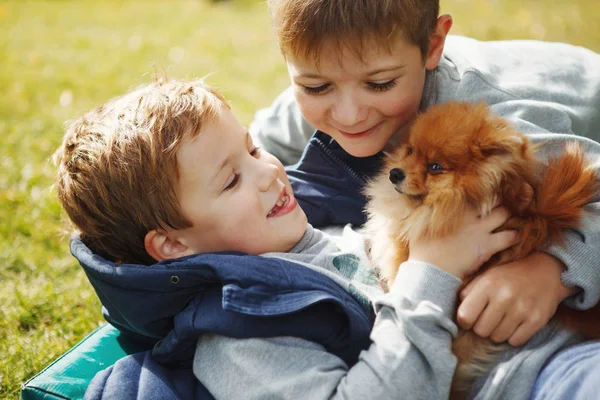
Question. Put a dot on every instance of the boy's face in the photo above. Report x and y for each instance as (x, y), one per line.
(237, 197)
(362, 104)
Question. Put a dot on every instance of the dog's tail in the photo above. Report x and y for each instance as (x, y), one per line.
(569, 183)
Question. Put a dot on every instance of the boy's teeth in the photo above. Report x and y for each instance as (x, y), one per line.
(280, 203)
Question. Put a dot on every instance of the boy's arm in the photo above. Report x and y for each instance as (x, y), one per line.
(410, 355)
(281, 129)
(581, 250)
(515, 308)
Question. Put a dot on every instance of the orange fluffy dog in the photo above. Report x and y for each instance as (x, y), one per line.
(460, 155)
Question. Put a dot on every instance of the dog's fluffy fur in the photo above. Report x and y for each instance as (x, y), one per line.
(461, 155)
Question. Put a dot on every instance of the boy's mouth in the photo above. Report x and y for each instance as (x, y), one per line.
(284, 205)
(362, 134)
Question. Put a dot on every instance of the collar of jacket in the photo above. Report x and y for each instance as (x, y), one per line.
(233, 294)
(328, 182)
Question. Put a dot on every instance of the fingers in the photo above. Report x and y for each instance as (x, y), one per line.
(467, 289)
(499, 240)
(499, 327)
(489, 319)
(496, 218)
(471, 216)
(471, 308)
(506, 328)
(495, 243)
(526, 330)
(502, 241)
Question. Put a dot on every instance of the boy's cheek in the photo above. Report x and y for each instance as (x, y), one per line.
(313, 108)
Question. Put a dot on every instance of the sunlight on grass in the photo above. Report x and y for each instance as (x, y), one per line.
(60, 58)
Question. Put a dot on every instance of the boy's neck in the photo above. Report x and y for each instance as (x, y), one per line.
(301, 244)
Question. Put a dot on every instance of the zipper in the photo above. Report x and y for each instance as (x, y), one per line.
(333, 156)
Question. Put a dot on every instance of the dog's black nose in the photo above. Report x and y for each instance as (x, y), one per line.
(396, 175)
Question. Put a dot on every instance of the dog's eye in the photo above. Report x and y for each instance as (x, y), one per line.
(409, 151)
(435, 168)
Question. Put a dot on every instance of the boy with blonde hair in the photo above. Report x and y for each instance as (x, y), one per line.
(173, 203)
(362, 70)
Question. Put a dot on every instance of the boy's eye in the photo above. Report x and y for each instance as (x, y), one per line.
(382, 87)
(232, 182)
(315, 90)
(435, 168)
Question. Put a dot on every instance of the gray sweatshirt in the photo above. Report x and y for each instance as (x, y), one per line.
(410, 355)
(411, 337)
(550, 91)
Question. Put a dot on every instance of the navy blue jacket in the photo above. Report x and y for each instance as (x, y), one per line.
(328, 182)
(169, 304)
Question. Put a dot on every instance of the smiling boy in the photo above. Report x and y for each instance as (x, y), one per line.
(388, 83)
(362, 70)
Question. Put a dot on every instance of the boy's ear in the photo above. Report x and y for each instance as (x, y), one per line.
(160, 246)
(437, 41)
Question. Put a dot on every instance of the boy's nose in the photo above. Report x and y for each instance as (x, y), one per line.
(268, 174)
(347, 111)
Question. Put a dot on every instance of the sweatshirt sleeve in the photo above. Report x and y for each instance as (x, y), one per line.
(580, 251)
(410, 355)
(281, 129)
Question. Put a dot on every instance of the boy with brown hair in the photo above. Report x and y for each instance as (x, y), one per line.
(117, 166)
(163, 184)
(362, 70)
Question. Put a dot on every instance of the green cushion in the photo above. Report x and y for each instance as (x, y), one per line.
(69, 375)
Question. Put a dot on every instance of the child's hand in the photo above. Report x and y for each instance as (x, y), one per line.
(472, 245)
(515, 300)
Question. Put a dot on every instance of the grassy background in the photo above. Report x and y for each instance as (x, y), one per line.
(60, 58)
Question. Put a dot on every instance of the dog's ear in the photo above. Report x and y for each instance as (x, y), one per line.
(526, 195)
(498, 137)
(502, 145)
(517, 194)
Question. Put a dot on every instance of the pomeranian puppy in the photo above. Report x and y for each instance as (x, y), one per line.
(461, 155)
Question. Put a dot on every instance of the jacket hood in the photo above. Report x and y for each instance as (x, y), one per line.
(141, 300)
(172, 302)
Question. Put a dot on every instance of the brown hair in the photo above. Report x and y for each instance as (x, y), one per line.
(302, 26)
(117, 165)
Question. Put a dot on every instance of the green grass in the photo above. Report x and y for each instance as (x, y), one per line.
(60, 58)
